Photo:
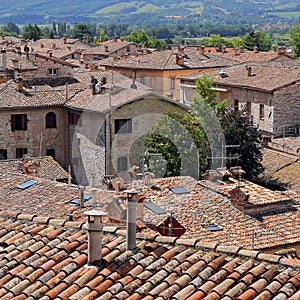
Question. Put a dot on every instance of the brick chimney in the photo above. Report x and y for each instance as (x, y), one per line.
(202, 50)
(248, 70)
(65, 39)
(179, 59)
(19, 83)
(255, 49)
(238, 197)
(95, 232)
(106, 48)
(224, 49)
(132, 200)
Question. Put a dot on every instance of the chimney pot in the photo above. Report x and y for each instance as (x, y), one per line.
(132, 200)
(95, 229)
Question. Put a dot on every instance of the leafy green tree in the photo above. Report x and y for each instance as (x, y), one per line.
(11, 27)
(205, 96)
(235, 126)
(239, 131)
(82, 29)
(139, 37)
(295, 38)
(31, 32)
(258, 39)
(170, 139)
(103, 36)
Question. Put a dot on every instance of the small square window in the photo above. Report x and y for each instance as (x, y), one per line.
(18, 122)
(50, 152)
(20, 152)
(3, 154)
(123, 126)
(122, 163)
(53, 72)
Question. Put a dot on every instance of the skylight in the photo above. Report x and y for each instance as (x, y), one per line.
(26, 184)
(213, 227)
(76, 200)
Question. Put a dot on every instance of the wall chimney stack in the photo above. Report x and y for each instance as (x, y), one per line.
(3, 59)
(132, 200)
(95, 232)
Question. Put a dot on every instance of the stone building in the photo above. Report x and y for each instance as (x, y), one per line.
(270, 93)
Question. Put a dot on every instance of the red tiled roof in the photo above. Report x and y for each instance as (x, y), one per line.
(264, 77)
(35, 264)
(37, 93)
(48, 167)
(166, 60)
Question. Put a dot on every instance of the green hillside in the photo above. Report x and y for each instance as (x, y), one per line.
(155, 11)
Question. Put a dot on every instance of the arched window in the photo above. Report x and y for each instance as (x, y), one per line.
(51, 120)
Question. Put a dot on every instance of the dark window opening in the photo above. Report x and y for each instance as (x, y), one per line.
(50, 152)
(236, 105)
(123, 126)
(261, 111)
(3, 154)
(51, 120)
(20, 152)
(18, 122)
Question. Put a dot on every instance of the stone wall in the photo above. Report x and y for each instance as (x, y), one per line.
(37, 138)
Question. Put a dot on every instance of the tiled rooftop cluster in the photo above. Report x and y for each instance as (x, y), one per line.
(47, 167)
(43, 258)
(166, 60)
(263, 77)
(265, 227)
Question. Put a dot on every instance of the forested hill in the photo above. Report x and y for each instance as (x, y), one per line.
(151, 11)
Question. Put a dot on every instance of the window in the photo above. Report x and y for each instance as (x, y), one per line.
(270, 102)
(51, 120)
(3, 154)
(261, 111)
(142, 79)
(248, 107)
(20, 152)
(172, 83)
(123, 126)
(236, 105)
(18, 122)
(53, 72)
(122, 163)
(50, 152)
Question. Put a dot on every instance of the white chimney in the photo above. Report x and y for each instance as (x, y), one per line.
(132, 199)
(95, 230)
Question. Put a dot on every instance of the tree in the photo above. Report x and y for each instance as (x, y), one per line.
(235, 127)
(138, 37)
(295, 38)
(103, 36)
(239, 131)
(11, 27)
(205, 97)
(31, 32)
(257, 39)
(180, 143)
(81, 30)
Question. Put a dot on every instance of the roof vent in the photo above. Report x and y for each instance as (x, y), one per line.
(223, 73)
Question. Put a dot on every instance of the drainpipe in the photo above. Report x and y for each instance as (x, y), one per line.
(95, 231)
(132, 199)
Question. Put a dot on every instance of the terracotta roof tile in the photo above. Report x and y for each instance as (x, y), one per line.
(152, 270)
